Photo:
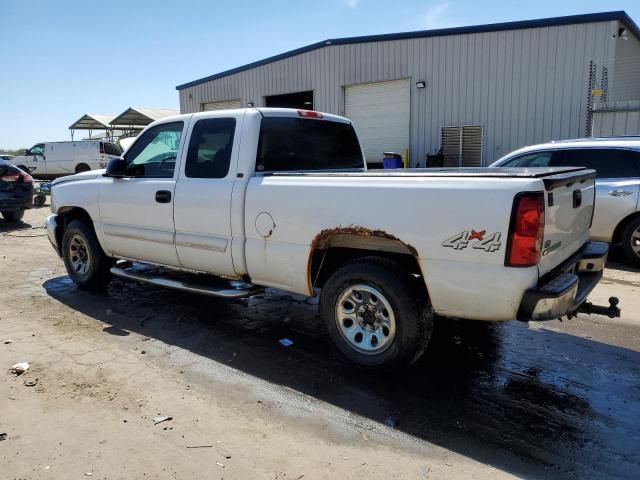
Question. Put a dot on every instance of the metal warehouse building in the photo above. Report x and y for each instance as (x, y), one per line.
(475, 93)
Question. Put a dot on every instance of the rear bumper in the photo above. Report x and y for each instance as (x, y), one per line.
(16, 200)
(566, 289)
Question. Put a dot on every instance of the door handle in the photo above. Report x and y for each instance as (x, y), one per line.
(163, 196)
(619, 193)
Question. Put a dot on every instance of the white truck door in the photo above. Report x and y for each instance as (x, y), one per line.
(202, 209)
(136, 212)
(59, 157)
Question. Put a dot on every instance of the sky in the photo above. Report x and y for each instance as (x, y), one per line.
(61, 59)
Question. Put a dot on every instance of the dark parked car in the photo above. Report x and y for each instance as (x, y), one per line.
(16, 191)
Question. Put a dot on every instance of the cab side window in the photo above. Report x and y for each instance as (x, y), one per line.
(535, 159)
(37, 149)
(210, 148)
(154, 153)
(608, 163)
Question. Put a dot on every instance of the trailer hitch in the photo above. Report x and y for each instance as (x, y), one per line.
(612, 311)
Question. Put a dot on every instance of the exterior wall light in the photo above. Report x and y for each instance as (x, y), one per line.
(421, 84)
(250, 104)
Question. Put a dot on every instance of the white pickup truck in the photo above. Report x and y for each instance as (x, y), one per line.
(281, 198)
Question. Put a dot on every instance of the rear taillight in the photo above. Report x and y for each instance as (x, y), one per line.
(26, 178)
(526, 232)
(309, 114)
(101, 147)
(19, 177)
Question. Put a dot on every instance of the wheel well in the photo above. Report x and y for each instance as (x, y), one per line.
(81, 165)
(66, 215)
(617, 233)
(332, 249)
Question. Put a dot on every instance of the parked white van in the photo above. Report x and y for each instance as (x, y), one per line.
(54, 159)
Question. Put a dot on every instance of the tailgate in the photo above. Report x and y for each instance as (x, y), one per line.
(569, 200)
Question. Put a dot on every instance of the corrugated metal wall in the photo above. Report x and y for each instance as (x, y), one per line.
(626, 71)
(620, 118)
(523, 86)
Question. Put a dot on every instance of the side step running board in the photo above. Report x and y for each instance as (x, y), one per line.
(231, 291)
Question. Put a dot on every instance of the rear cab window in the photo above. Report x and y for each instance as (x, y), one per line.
(607, 162)
(302, 144)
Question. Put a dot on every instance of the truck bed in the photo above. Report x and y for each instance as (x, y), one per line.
(551, 176)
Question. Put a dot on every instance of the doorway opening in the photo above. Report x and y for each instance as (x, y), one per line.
(302, 100)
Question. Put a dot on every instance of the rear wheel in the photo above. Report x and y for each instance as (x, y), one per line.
(83, 167)
(86, 263)
(631, 242)
(13, 216)
(375, 314)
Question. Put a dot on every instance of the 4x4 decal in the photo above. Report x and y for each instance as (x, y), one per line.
(461, 240)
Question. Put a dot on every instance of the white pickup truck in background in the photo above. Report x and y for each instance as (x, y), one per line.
(281, 198)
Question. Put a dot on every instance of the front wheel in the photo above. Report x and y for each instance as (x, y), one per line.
(375, 313)
(86, 263)
(631, 242)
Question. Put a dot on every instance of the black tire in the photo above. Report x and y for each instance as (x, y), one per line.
(631, 242)
(13, 216)
(409, 306)
(80, 241)
(39, 200)
(82, 167)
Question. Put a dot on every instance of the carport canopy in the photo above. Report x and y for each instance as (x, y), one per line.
(93, 121)
(136, 117)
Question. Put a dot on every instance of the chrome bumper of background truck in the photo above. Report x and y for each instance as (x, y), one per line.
(51, 224)
(565, 291)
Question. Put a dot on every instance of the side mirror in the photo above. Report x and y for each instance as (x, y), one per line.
(117, 167)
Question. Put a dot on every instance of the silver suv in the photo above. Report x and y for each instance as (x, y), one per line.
(617, 160)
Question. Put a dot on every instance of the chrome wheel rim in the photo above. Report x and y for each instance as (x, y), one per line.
(79, 255)
(635, 241)
(365, 319)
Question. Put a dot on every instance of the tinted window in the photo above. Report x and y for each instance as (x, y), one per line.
(37, 149)
(536, 159)
(154, 153)
(608, 163)
(112, 149)
(307, 144)
(210, 148)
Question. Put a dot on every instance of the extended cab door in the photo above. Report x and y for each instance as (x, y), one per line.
(136, 212)
(617, 184)
(202, 209)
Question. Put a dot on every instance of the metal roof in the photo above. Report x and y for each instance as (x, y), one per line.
(619, 15)
(93, 121)
(141, 117)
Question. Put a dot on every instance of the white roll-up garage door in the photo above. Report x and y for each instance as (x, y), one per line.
(225, 105)
(381, 114)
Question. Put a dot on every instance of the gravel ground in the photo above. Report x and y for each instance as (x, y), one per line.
(544, 400)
